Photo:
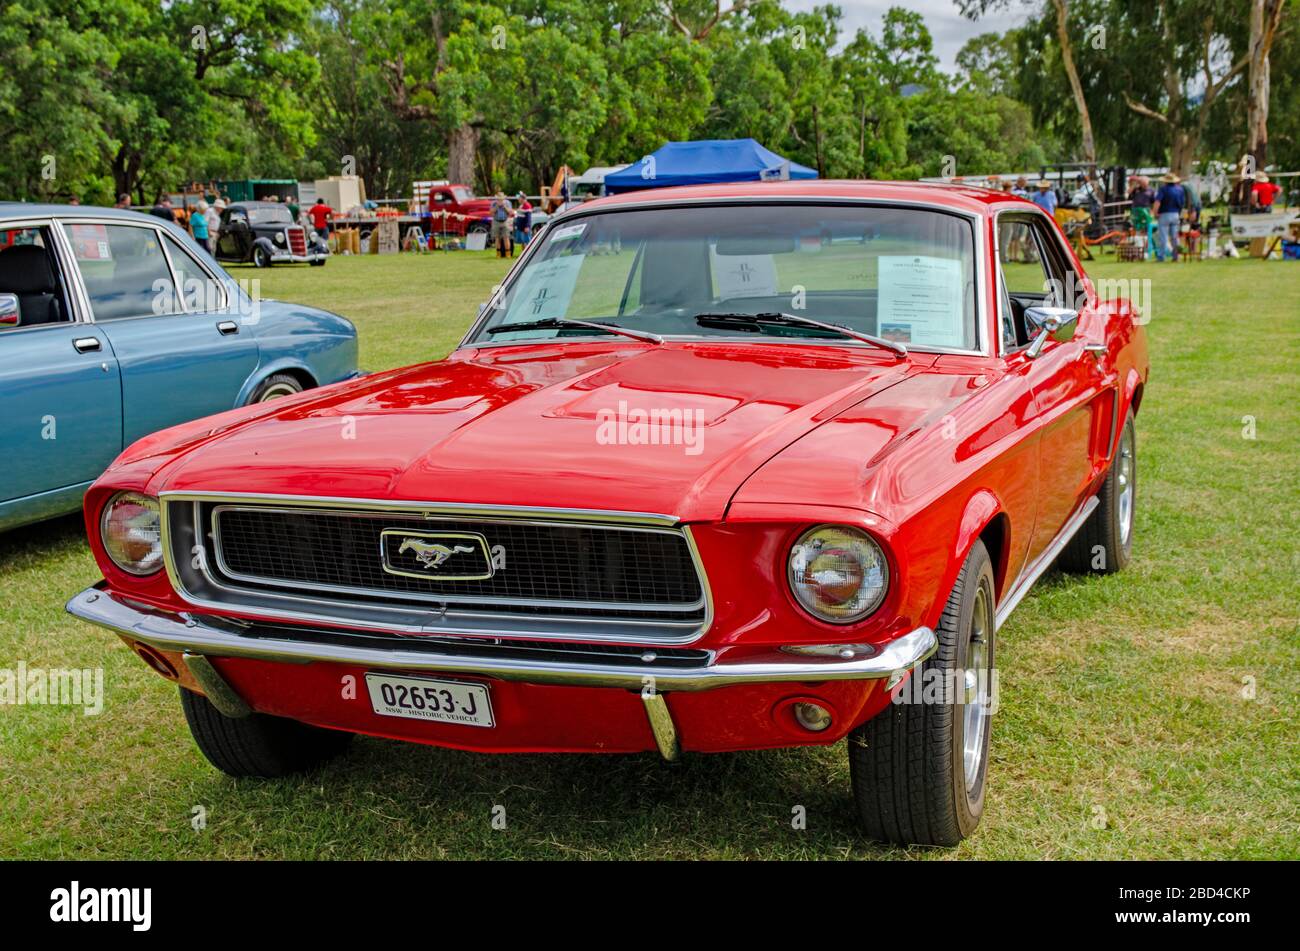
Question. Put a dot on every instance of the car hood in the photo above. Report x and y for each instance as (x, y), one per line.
(618, 426)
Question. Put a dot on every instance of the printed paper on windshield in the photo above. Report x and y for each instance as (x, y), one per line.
(743, 275)
(920, 300)
(545, 289)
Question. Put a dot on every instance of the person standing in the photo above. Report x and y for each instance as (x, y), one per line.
(214, 224)
(321, 216)
(294, 208)
(1044, 197)
(501, 214)
(199, 224)
(1171, 199)
(1262, 194)
(163, 209)
(1021, 189)
(123, 201)
(523, 220)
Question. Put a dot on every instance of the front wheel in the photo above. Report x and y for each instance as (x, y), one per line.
(1104, 543)
(258, 745)
(919, 767)
(261, 256)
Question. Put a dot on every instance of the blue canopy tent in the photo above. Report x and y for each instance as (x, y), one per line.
(704, 162)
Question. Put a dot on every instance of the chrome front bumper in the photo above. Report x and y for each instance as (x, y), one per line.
(286, 257)
(191, 634)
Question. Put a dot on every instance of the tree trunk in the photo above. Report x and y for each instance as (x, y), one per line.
(1265, 15)
(1183, 146)
(462, 150)
(1076, 87)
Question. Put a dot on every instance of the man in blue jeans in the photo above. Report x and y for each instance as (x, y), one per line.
(1171, 199)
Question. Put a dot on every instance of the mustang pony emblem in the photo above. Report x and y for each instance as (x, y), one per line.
(432, 555)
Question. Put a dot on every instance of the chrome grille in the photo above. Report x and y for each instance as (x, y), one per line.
(297, 240)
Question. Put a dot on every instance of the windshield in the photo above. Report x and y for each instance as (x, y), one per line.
(903, 274)
(269, 215)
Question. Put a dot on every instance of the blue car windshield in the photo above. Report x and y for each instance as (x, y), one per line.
(904, 274)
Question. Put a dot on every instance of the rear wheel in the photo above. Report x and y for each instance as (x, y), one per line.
(258, 745)
(919, 767)
(1104, 543)
(274, 387)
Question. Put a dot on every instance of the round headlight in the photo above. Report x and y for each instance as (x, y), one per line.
(838, 573)
(279, 237)
(131, 529)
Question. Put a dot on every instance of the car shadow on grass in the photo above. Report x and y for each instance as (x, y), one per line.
(42, 538)
(775, 803)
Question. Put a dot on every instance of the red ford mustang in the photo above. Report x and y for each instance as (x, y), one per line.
(716, 468)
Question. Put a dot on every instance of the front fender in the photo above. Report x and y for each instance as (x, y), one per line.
(981, 509)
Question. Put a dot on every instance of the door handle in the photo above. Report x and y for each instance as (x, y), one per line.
(228, 327)
(1098, 350)
(86, 344)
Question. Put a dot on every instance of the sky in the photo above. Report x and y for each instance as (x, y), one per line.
(949, 28)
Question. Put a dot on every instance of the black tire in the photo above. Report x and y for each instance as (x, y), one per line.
(274, 387)
(477, 228)
(258, 745)
(1102, 545)
(908, 763)
(261, 256)
(320, 262)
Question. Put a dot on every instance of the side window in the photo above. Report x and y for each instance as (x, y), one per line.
(199, 292)
(1023, 269)
(31, 292)
(127, 275)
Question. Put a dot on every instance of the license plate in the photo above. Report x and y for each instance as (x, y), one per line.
(418, 698)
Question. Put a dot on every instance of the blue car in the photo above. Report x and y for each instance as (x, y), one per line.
(114, 325)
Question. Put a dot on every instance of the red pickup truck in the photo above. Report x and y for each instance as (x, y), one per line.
(456, 210)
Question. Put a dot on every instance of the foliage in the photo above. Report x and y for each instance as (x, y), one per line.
(103, 96)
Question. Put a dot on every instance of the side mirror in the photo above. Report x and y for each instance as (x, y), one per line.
(1049, 323)
(10, 312)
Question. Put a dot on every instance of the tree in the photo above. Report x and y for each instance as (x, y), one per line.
(1265, 18)
(1197, 65)
(1061, 11)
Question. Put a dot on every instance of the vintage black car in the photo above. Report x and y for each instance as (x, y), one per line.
(265, 233)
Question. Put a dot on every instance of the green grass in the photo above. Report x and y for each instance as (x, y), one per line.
(1121, 696)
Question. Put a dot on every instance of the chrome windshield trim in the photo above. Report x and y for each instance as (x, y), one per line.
(184, 632)
(980, 247)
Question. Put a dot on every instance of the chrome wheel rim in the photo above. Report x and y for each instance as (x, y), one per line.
(975, 684)
(276, 391)
(1124, 475)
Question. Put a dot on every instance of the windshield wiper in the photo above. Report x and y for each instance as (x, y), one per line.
(550, 323)
(780, 318)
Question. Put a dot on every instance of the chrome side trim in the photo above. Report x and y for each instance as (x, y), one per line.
(1044, 561)
(189, 634)
(216, 688)
(661, 724)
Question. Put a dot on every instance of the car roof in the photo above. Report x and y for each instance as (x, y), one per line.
(957, 196)
(22, 209)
